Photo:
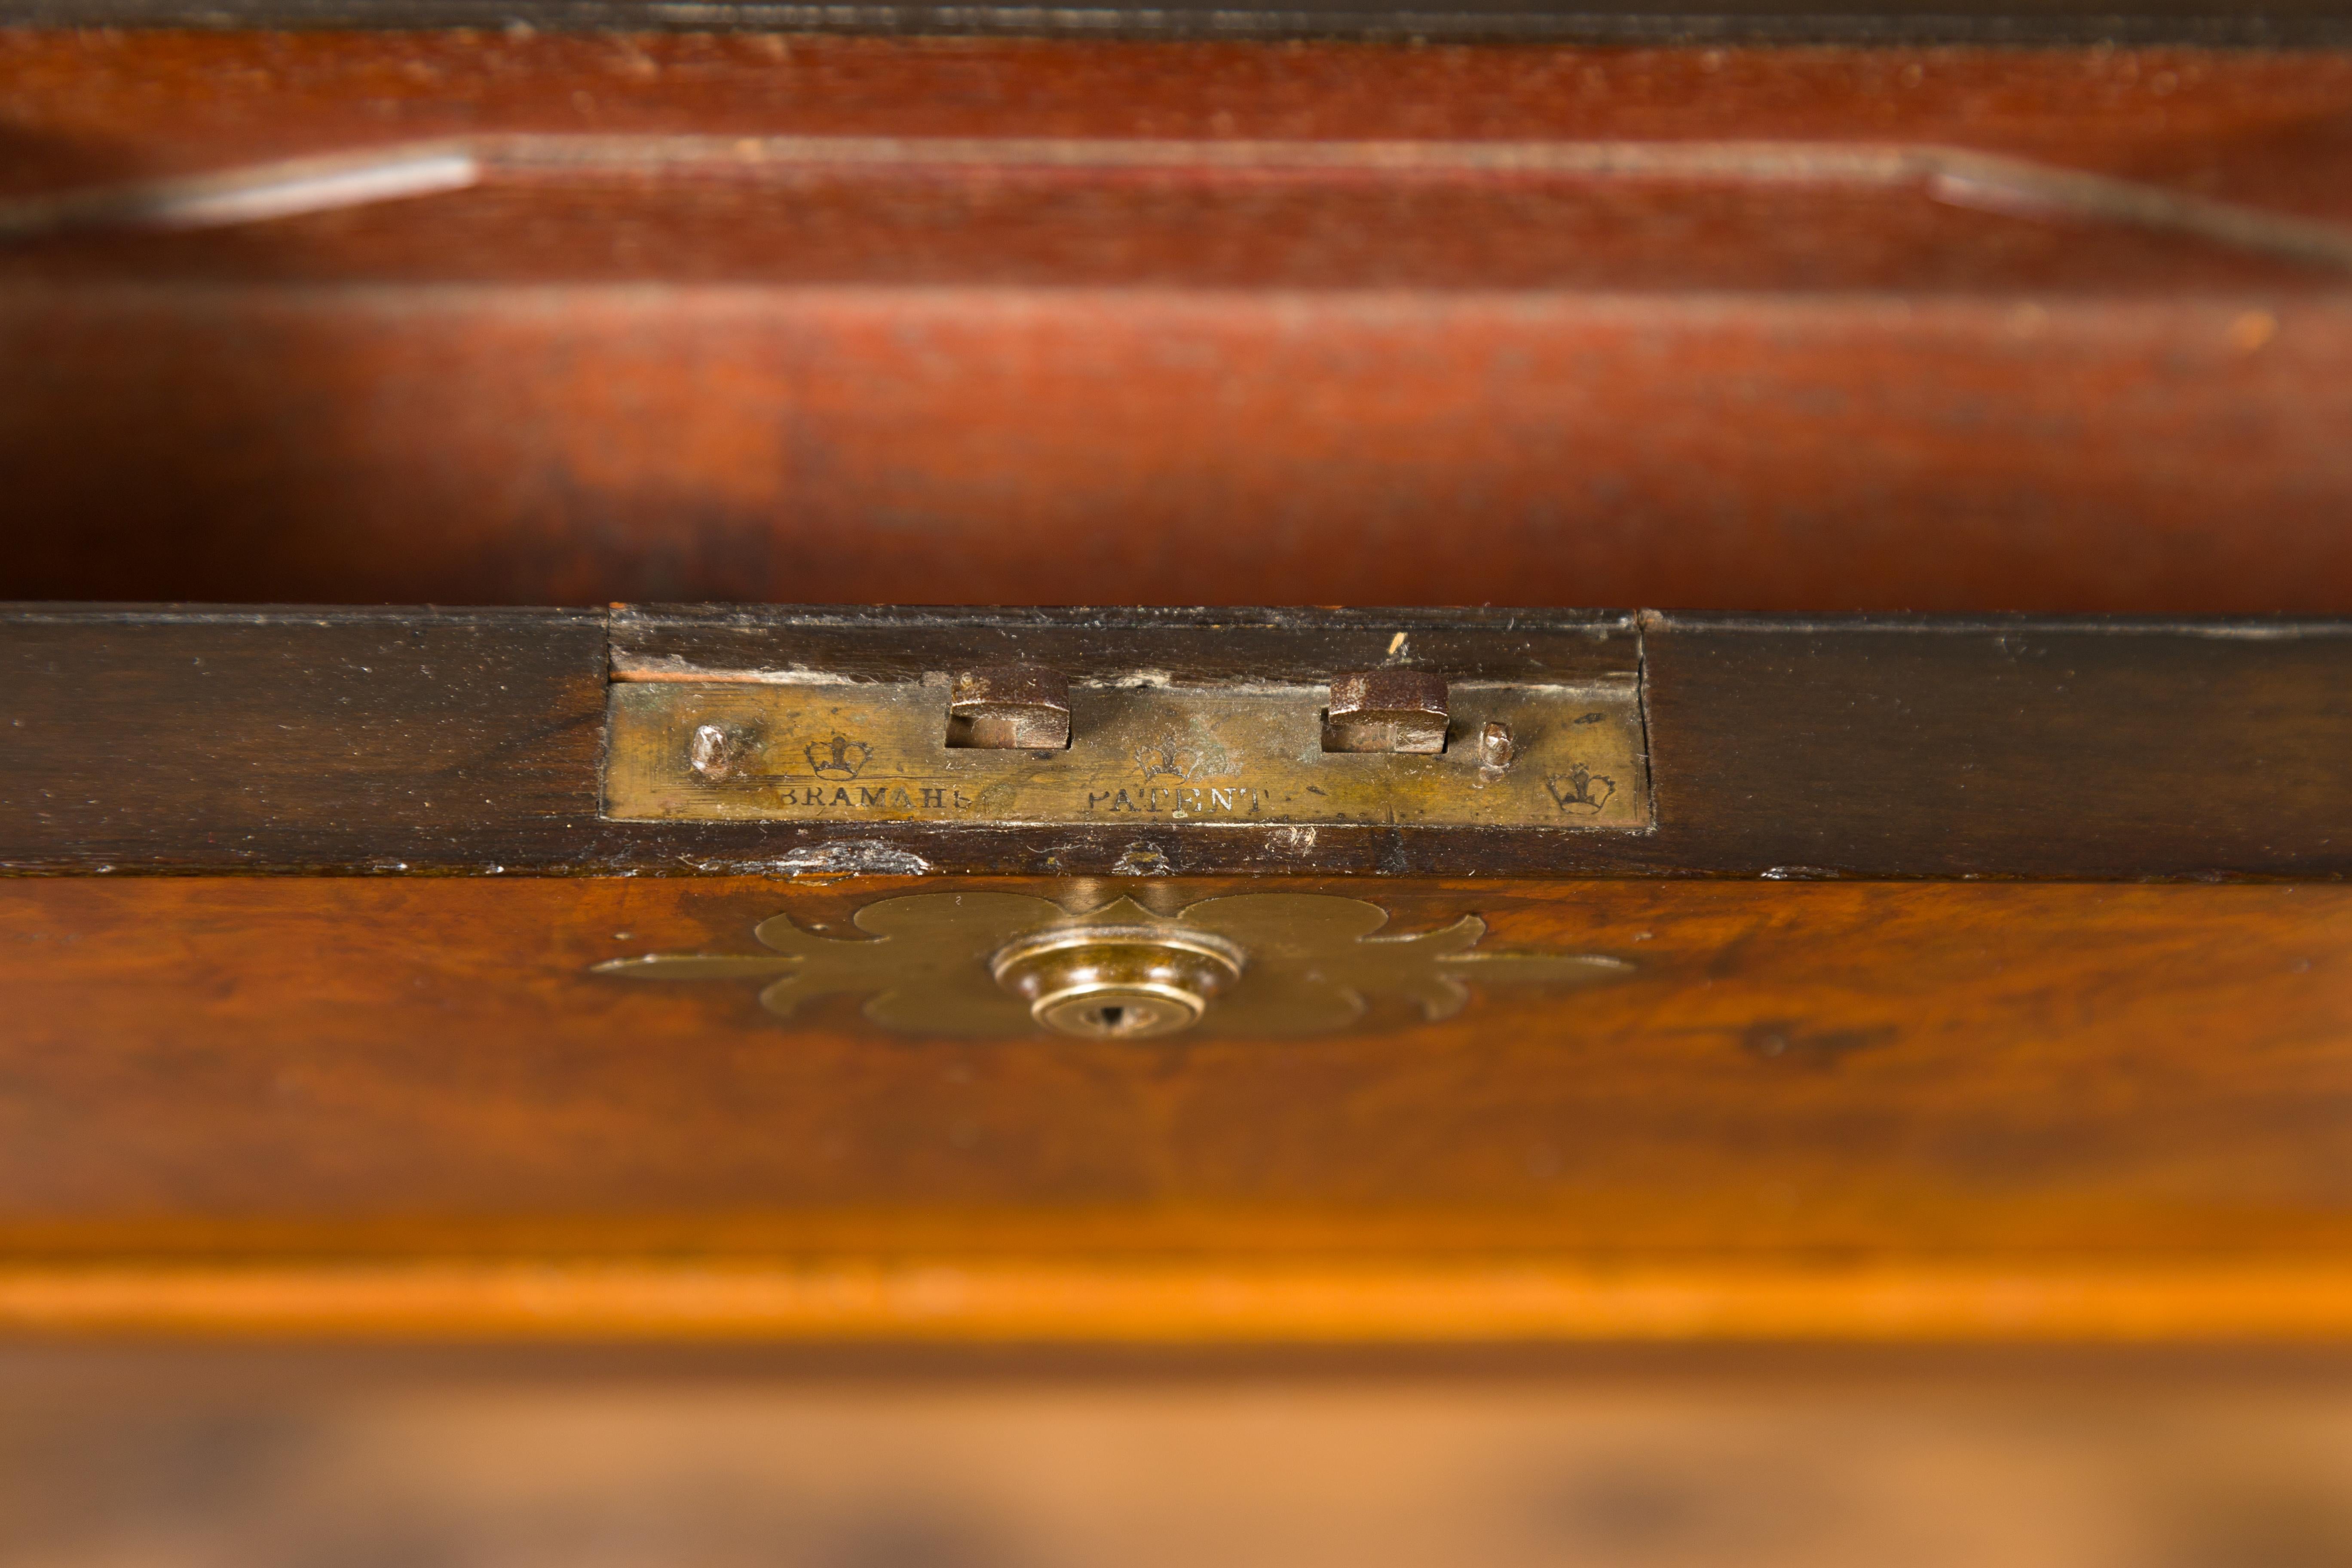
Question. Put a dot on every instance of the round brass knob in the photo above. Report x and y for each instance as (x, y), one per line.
(1113, 983)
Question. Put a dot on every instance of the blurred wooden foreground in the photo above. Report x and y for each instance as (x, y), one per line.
(116, 1458)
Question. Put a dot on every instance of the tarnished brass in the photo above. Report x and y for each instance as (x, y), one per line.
(1010, 707)
(987, 963)
(1139, 754)
(1386, 710)
(1123, 983)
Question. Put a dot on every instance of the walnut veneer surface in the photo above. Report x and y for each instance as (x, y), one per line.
(1844, 1108)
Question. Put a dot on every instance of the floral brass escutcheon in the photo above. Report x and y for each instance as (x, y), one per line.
(1307, 961)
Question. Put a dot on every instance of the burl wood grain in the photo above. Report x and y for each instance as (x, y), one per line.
(1813, 1108)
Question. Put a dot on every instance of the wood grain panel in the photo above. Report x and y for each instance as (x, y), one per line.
(1420, 1302)
(582, 445)
(219, 730)
(364, 1067)
(1360, 388)
(1784, 217)
(2260, 126)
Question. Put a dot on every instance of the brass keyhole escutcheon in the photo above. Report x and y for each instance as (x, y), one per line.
(1112, 982)
(1235, 966)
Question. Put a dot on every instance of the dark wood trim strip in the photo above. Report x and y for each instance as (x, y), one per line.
(2280, 23)
(172, 739)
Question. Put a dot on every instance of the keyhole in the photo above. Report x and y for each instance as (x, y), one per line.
(1110, 1017)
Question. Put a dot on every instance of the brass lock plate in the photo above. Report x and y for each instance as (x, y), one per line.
(1140, 752)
